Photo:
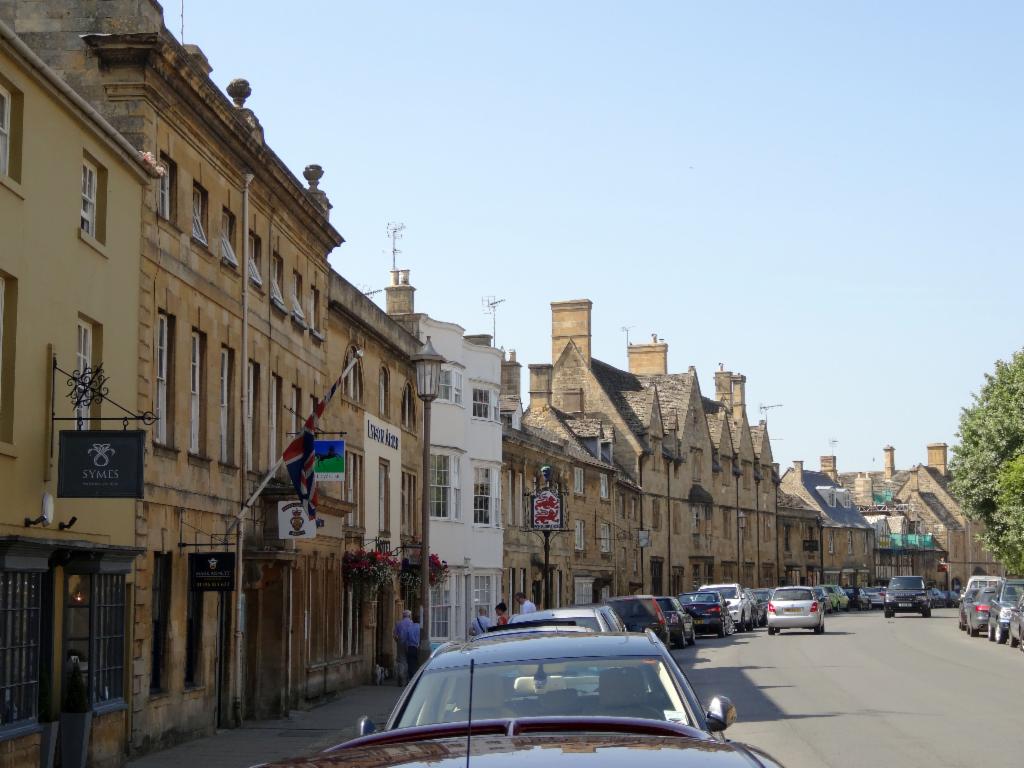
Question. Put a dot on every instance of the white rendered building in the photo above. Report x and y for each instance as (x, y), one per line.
(465, 474)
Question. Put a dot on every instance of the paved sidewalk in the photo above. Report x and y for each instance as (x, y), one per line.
(260, 741)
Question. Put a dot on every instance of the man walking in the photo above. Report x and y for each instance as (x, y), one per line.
(407, 634)
(525, 605)
(481, 623)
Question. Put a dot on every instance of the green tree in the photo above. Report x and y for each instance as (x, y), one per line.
(988, 463)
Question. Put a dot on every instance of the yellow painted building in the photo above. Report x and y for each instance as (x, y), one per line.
(71, 193)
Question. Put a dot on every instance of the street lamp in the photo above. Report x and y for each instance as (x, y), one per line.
(428, 375)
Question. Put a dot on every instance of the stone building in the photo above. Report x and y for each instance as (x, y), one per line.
(597, 555)
(798, 544)
(230, 335)
(696, 518)
(65, 563)
(926, 510)
(846, 541)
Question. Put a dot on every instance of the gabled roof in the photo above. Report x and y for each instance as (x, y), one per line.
(552, 425)
(627, 394)
(789, 501)
(832, 514)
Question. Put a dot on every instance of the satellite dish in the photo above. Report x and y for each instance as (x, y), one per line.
(47, 510)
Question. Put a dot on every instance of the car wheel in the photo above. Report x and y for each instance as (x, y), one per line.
(721, 630)
(973, 631)
(991, 637)
(820, 629)
(926, 614)
(998, 636)
(1014, 641)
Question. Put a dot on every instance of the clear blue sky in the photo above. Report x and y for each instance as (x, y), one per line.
(823, 196)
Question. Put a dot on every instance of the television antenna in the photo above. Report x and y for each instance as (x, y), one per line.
(626, 329)
(832, 443)
(490, 304)
(395, 230)
(765, 408)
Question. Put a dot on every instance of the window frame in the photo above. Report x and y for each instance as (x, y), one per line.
(197, 352)
(384, 393)
(166, 188)
(163, 359)
(255, 259)
(483, 496)
(89, 214)
(5, 132)
(83, 361)
(227, 238)
(276, 278)
(383, 496)
(297, 312)
(408, 407)
(605, 487)
(200, 214)
(578, 481)
(485, 404)
(580, 536)
(224, 405)
(450, 391)
(21, 623)
(605, 538)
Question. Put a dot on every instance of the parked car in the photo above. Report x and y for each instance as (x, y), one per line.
(1006, 595)
(859, 598)
(795, 608)
(680, 623)
(821, 594)
(938, 598)
(763, 596)
(640, 613)
(759, 609)
(740, 606)
(977, 610)
(840, 600)
(610, 616)
(591, 618)
(585, 675)
(1017, 624)
(877, 595)
(709, 611)
(967, 604)
(906, 594)
(981, 583)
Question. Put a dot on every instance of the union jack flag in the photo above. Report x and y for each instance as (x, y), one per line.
(299, 457)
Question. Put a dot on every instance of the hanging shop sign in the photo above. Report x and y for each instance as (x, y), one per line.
(546, 511)
(330, 461)
(100, 464)
(293, 523)
(211, 571)
(810, 545)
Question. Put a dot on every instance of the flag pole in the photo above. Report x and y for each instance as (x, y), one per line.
(239, 595)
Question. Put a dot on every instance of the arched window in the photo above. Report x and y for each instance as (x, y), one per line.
(408, 407)
(383, 390)
(353, 382)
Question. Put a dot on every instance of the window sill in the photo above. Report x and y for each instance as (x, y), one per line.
(299, 322)
(9, 732)
(227, 468)
(317, 335)
(258, 287)
(278, 305)
(230, 266)
(202, 245)
(198, 460)
(194, 690)
(9, 449)
(107, 707)
(93, 243)
(165, 451)
(15, 188)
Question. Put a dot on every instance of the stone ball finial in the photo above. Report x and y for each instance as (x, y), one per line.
(313, 173)
(239, 91)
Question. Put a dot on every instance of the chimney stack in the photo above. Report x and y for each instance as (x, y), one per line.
(570, 321)
(890, 461)
(540, 385)
(723, 385)
(648, 359)
(828, 467)
(739, 397)
(511, 377)
(798, 467)
(400, 295)
(938, 456)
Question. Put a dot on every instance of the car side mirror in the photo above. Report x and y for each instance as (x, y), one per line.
(721, 714)
(365, 726)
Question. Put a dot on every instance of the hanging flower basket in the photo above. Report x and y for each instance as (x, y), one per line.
(409, 577)
(369, 569)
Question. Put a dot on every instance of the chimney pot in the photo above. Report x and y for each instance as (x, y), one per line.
(648, 359)
(400, 296)
(890, 462)
(828, 467)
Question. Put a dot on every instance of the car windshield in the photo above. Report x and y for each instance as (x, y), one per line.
(596, 687)
(762, 594)
(590, 622)
(729, 593)
(632, 609)
(783, 595)
(1010, 592)
(699, 597)
(667, 604)
(906, 582)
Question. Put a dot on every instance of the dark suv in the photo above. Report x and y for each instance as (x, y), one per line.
(1008, 592)
(640, 613)
(906, 594)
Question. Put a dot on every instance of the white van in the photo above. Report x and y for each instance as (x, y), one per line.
(981, 582)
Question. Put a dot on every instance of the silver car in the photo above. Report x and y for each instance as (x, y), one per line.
(591, 618)
(741, 608)
(795, 608)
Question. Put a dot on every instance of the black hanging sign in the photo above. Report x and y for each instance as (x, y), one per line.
(101, 464)
(211, 571)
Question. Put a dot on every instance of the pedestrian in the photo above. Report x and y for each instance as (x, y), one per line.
(481, 623)
(525, 605)
(407, 634)
(501, 611)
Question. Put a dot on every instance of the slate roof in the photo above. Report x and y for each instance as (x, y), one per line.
(627, 394)
(585, 427)
(832, 514)
(552, 425)
(789, 501)
(878, 482)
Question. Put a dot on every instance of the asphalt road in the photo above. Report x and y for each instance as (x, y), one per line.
(870, 692)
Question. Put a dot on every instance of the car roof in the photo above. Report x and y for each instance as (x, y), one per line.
(512, 646)
(555, 613)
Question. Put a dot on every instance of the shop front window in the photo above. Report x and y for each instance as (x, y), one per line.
(20, 596)
(94, 616)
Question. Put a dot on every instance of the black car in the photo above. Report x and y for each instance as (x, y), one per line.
(974, 610)
(640, 613)
(680, 623)
(907, 594)
(859, 599)
(709, 611)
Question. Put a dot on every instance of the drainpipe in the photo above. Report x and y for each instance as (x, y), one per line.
(668, 512)
(757, 524)
(243, 480)
(640, 472)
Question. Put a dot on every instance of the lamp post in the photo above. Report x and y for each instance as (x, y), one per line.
(428, 374)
